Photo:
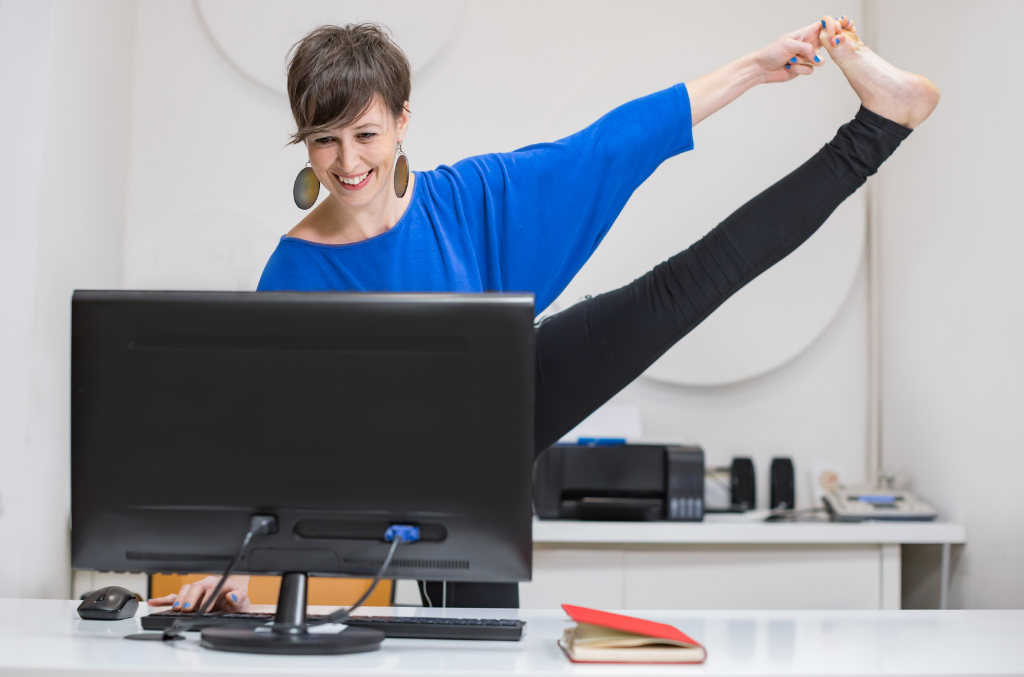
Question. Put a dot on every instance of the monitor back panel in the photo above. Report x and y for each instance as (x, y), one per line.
(338, 413)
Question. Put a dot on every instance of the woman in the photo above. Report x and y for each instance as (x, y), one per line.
(529, 220)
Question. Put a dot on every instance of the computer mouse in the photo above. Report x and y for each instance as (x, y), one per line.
(112, 603)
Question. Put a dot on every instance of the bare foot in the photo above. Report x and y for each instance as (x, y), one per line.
(905, 98)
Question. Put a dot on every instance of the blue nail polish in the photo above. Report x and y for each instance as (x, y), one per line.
(188, 604)
(822, 24)
(837, 41)
(176, 604)
(787, 66)
(793, 60)
(816, 59)
(233, 598)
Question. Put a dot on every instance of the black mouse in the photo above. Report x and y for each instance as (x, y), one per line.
(109, 604)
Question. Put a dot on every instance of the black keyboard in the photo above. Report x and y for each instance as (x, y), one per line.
(408, 627)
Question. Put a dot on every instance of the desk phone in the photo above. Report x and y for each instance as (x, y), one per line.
(851, 504)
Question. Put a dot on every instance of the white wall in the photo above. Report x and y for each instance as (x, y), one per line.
(81, 141)
(952, 295)
(24, 99)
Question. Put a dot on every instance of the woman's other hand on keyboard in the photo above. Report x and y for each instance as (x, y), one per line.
(232, 597)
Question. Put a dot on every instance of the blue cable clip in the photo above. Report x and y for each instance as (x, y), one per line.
(407, 532)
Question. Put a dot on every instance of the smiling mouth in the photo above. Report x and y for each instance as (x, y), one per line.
(354, 182)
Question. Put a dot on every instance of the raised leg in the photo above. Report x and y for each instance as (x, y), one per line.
(592, 350)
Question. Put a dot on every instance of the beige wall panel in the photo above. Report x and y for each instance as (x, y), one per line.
(762, 577)
(952, 295)
(584, 577)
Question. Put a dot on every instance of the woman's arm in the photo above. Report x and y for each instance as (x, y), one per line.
(791, 55)
(534, 216)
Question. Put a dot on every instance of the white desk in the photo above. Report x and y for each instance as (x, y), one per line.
(46, 637)
(728, 561)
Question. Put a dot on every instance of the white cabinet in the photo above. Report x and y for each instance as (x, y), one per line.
(726, 562)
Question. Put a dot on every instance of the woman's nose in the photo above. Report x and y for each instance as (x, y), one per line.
(349, 158)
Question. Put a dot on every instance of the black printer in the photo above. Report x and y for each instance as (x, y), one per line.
(636, 482)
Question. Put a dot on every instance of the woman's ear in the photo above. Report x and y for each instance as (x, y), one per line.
(403, 121)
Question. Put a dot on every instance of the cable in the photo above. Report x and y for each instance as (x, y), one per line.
(342, 615)
(792, 515)
(709, 474)
(259, 525)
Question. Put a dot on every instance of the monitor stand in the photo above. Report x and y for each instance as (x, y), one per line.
(289, 634)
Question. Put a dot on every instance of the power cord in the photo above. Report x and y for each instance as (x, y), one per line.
(796, 515)
(259, 525)
(426, 595)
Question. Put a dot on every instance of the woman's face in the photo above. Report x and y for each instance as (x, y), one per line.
(355, 163)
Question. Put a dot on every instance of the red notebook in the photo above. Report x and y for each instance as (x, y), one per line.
(602, 637)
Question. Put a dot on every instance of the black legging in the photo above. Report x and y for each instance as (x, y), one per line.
(589, 352)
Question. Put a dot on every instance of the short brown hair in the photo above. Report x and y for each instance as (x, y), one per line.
(335, 72)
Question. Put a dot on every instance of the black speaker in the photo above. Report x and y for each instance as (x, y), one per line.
(741, 481)
(783, 485)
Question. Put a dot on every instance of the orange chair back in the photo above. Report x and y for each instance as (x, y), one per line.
(322, 591)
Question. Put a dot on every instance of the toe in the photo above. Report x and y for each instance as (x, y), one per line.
(832, 42)
(830, 27)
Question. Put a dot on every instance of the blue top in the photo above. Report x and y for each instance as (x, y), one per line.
(523, 221)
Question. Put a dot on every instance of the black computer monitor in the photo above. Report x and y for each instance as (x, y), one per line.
(338, 413)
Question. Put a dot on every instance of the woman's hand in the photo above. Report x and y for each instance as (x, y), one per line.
(791, 55)
(232, 596)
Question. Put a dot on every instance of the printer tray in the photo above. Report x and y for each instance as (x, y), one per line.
(608, 509)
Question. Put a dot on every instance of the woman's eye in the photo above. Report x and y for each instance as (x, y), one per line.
(366, 136)
(323, 141)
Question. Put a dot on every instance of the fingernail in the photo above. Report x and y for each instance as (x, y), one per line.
(188, 604)
(816, 59)
(793, 60)
(176, 604)
(837, 41)
(823, 24)
(233, 598)
(787, 66)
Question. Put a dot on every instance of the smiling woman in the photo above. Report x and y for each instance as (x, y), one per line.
(528, 220)
(349, 93)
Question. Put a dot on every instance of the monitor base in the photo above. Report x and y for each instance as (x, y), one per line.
(288, 634)
(350, 640)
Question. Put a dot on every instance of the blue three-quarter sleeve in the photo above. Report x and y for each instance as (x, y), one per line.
(543, 210)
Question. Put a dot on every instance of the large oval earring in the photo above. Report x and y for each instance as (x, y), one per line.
(401, 173)
(307, 188)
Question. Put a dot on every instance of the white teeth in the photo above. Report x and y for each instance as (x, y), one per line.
(353, 181)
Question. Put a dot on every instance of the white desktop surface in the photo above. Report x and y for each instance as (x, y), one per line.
(46, 637)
